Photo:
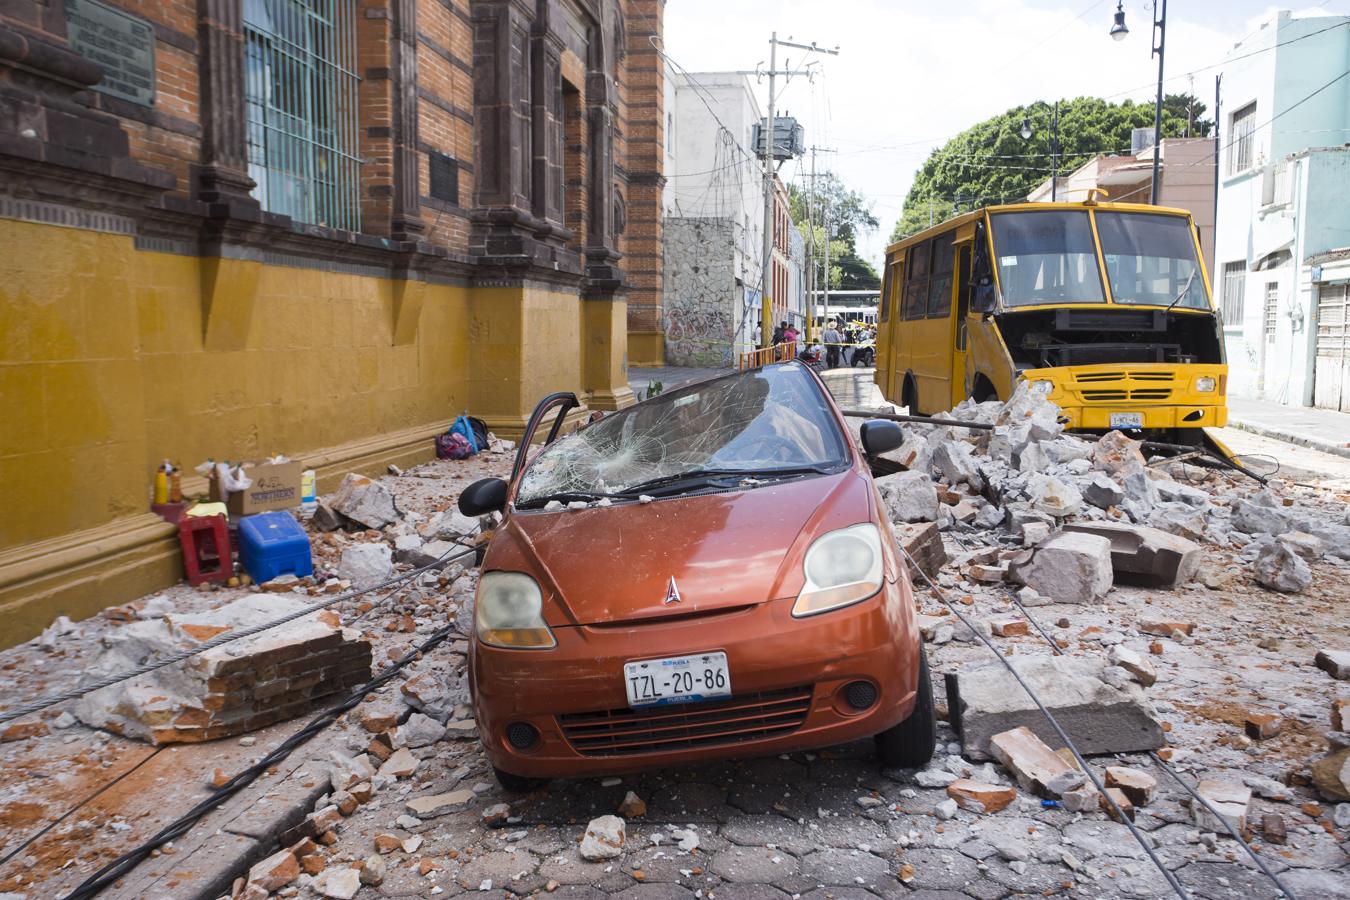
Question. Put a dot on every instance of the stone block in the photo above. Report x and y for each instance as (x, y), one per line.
(1070, 568)
(1335, 663)
(983, 700)
(1228, 798)
(909, 497)
(604, 839)
(1145, 556)
(365, 502)
(1279, 567)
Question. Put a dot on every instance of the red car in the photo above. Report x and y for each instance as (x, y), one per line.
(705, 575)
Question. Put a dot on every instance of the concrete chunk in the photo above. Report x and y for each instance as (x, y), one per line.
(1031, 761)
(983, 700)
(978, 797)
(1335, 663)
(1071, 568)
(1228, 798)
(909, 497)
(1145, 556)
(1280, 568)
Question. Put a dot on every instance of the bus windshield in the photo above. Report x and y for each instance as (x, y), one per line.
(1150, 260)
(1046, 258)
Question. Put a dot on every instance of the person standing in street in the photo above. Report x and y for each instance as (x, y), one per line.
(831, 339)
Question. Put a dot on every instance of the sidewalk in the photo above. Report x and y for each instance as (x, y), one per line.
(1320, 429)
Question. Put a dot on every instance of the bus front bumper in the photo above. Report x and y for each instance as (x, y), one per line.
(1149, 397)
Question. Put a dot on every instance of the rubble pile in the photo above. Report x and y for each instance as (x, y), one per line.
(235, 688)
(1092, 511)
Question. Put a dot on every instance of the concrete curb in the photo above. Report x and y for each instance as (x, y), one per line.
(1290, 438)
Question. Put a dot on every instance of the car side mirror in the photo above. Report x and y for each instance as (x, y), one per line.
(482, 497)
(881, 435)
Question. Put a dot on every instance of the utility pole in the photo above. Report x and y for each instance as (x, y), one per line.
(811, 234)
(766, 278)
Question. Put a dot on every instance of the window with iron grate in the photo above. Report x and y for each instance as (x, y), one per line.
(1242, 126)
(1234, 285)
(1272, 309)
(300, 93)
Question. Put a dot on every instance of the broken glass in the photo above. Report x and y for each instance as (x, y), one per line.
(754, 423)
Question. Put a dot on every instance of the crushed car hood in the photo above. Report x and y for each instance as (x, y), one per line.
(614, 565)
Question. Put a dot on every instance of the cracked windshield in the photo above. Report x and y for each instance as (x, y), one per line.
(764, 422)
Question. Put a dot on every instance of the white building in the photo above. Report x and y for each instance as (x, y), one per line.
(713, 224)
(1283, 215)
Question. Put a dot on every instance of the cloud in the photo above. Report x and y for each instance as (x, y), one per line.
(911, 75)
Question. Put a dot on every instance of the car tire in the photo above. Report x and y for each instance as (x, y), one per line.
(518, 784)
(909, 745)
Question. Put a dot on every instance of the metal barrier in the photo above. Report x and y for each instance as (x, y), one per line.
(753, 359)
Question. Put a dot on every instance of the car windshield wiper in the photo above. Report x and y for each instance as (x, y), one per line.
(697, 477)
(568, 497)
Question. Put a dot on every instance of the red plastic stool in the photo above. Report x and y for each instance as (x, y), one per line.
(206, 549)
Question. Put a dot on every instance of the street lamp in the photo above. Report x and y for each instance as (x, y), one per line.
(1026, 133)
(1118, 31)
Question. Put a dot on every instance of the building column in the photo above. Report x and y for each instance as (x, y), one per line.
(223, 176)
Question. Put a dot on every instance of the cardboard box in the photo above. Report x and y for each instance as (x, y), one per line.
(275, 486)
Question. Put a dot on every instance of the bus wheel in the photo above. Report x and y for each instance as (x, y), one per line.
(909, 397)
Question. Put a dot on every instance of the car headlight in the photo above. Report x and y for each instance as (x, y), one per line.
(509, 612)
(841, 567)
(1205, 385)
(1042, 388)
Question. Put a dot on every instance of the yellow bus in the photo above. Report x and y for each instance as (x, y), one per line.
(1105, 307)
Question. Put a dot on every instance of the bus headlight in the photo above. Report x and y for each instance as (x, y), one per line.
(1042, 388)
(1205, 385)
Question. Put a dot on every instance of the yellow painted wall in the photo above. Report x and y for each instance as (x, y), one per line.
(112, 359)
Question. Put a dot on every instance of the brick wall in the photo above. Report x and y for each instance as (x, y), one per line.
(645, 156)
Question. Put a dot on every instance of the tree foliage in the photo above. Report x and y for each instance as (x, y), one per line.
(992, 163)
(849, 215)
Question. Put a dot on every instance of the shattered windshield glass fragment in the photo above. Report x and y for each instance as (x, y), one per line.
(752, 423)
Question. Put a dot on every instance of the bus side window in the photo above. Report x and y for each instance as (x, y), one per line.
(916, 281)
(963, 291)
(885, 309)
(940, 287)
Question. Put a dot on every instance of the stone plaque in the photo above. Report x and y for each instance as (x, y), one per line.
(122, 44)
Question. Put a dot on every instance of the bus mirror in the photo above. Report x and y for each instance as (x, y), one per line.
(983, 297)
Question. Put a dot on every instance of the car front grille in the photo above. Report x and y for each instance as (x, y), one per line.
(656, 729)
(1114, 387)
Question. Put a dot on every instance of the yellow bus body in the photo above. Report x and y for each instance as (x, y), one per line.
(931, 360)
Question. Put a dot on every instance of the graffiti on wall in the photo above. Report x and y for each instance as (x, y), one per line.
(700, 292)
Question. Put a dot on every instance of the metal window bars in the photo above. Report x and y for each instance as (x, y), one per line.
(301, 101)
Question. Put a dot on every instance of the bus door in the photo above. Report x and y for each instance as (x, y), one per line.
(888, 354)
(932, 352)
(965, 239)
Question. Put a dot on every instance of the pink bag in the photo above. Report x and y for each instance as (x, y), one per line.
(452, 446)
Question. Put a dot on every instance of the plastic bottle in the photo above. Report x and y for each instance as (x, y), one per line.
(175, 486)
(309, 500)
(162, 484)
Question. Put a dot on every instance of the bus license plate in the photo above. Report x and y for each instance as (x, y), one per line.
(1127, 420)
(677, 679)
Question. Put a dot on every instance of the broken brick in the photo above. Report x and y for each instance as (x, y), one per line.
(388, 843)
(1272, 826)
(1340, 714)
(1165, 628)
(22, 731)
(1030, 760)
(1335, 663)
(978, 797)
(1008, 627)
(1122, 802)
(1138, 786)
(1260, 726)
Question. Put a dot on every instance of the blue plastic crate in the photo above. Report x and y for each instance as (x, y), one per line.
(272, 544)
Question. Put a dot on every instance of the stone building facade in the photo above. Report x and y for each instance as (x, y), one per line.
(323, 228)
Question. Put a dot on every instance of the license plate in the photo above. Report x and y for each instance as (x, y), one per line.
(677, 679)
(1127, 420)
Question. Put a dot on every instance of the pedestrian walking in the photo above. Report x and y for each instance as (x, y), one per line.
(832, 340)
(790, 336)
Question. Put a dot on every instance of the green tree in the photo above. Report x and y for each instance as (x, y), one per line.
(991, 162)
(849, 215)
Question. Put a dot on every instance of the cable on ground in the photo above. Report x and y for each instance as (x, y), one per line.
(125, 863)
(1119, 815)
(76, 692)
(1176, 776)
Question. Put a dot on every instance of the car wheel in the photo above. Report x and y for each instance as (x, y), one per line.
(909, 745)
(518, 784)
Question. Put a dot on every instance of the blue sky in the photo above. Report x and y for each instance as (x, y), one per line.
(911, 75)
